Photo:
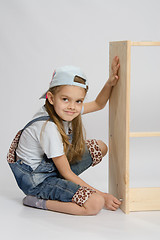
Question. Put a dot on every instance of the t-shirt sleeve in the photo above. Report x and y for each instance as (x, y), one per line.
(51, 141)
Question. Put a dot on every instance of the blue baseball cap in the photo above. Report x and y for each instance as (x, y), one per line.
(66, 76)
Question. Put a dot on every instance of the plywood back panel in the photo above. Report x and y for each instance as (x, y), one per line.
(119, 125)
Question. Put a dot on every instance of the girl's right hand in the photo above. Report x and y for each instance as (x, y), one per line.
(111, 202)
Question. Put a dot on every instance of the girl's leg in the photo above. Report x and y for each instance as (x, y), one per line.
(95, 151)
(67, 197)
(92, 204)
(91, 207)
(103, 147)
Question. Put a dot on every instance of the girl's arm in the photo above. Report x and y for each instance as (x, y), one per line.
(105, 93)
(66, 172)
(64, 169)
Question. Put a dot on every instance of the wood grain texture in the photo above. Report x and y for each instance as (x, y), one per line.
(119, 104)
(144, 134)
(145, 43)
(144, 199)
(134, 199)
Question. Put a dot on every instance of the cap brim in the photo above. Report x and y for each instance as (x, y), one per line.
(43, 96)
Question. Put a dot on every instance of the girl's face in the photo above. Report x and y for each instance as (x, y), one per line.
(68, 101)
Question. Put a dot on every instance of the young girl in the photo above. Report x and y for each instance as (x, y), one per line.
(49, 153)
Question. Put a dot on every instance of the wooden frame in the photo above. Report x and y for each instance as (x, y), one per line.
(134, 199)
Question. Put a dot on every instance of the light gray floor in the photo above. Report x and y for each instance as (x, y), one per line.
(20, 222)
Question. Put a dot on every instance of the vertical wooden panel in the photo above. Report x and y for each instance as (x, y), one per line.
(119, 104)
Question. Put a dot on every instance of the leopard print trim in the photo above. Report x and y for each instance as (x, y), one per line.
(82, 195)
(12, 150)
(95, 151)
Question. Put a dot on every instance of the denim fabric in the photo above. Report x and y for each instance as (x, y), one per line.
(84, 164)
(45, 181)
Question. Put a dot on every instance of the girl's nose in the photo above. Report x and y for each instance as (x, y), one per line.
(71, 105)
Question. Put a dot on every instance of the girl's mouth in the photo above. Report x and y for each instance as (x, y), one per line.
(69, 112)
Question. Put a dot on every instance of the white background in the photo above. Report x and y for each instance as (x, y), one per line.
(36, 36)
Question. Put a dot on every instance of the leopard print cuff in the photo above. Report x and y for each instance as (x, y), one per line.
(82, 195)
(12, 150)
(95, 151)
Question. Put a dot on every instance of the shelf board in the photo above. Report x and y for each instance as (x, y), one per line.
(145, 43)
(144, 199)
(144, 134)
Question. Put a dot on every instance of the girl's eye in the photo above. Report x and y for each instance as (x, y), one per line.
(65, 99)
(79, 101)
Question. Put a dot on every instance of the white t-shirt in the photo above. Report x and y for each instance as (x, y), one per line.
(33, 143)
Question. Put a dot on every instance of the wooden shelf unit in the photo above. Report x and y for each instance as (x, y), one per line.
(134, 199)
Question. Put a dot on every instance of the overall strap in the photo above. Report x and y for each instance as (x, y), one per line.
(43, 118)
(11, 156)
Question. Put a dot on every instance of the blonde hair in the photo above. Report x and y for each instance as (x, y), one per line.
(76, 148)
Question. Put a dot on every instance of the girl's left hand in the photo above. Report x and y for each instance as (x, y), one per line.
(111, 202)
(113, 79)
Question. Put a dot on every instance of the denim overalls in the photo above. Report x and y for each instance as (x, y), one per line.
(45, 181)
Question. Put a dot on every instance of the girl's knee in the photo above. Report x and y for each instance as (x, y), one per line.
(103, 147)
(94, 204)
